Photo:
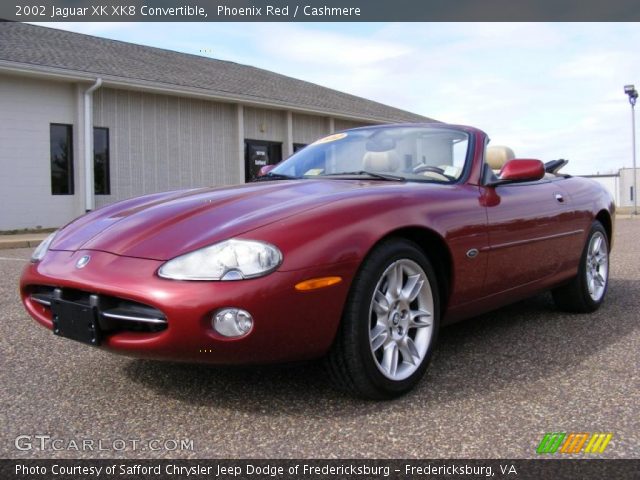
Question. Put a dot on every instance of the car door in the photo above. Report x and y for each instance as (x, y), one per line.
(526, 236)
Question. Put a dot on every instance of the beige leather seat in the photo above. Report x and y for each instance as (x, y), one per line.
(381, 161)
(497, 156)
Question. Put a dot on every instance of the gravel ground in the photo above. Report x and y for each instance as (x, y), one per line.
(496, 385)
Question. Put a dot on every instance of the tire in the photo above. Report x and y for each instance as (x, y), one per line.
(389, 324)
(586, 291)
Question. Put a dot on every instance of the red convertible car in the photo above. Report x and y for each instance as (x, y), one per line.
(357, 248)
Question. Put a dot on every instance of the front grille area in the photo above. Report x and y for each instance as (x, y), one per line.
(113, 314)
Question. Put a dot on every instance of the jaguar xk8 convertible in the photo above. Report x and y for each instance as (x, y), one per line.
(358, 248)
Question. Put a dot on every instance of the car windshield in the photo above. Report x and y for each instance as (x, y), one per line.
(434, 154)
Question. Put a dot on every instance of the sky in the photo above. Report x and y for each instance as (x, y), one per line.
(547, 90)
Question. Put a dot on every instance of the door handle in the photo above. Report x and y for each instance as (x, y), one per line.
(558, 197)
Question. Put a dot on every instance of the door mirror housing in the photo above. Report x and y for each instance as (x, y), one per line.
(264, 170)
(520, 170)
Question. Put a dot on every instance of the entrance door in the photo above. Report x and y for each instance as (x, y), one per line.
(299, 146)
(257, 154)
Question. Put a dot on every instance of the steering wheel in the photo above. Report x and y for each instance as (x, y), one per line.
(428, 168)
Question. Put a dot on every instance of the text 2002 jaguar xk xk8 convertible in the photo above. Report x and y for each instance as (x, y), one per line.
(358, 248)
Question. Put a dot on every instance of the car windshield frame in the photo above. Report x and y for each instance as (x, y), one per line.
(394, 149)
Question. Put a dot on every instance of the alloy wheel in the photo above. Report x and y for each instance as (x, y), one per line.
(597, 267)
(401, 323)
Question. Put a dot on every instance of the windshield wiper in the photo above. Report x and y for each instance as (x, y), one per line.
(376, 175)
(274, 176)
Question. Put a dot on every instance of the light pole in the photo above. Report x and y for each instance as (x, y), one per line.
(631, 91)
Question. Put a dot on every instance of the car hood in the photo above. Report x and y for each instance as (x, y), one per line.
(163, 226)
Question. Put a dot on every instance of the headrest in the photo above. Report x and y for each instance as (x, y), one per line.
(381, 161)
(499, 155)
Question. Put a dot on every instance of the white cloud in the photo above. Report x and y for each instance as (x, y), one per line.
(313, 46)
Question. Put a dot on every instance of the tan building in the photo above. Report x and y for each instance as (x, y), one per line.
(87, 121)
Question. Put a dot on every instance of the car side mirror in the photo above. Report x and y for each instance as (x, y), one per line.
(264, 170)
(521, 170)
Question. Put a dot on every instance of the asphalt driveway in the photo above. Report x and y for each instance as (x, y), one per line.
(497, 384)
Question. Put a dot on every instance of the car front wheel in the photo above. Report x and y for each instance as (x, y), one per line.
(389, 325)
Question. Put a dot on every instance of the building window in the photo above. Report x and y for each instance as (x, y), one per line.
(101, 180)
(298, 146)
(61, 137)
(631, 193)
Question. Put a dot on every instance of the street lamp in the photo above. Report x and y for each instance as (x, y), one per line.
(631, 91)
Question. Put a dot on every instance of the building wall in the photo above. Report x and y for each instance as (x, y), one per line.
(156, 143)
(27, 108)
(626, 186)
(309, 128)
(271, 125)
(161, 142)
(264, 124)
(341, 124)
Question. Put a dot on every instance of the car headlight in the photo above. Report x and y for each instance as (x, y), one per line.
(228, 260)
(41, 250)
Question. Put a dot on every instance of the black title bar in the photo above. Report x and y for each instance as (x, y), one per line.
(318, 10)
(317, 469)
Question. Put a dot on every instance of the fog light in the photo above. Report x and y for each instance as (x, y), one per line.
(232, 322)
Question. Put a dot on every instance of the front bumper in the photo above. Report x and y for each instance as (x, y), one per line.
(288, 324)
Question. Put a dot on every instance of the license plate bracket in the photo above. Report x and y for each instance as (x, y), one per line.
(75, 321)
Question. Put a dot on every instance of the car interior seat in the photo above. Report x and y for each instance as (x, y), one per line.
(381, 161)
(497, 156)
